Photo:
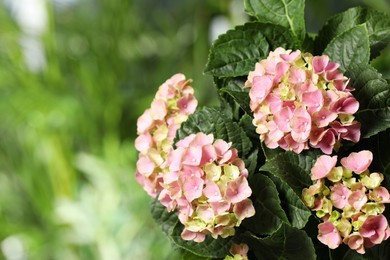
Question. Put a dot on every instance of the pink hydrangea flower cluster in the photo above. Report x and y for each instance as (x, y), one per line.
(207, 183)
(351, 206)
(299, 101)
(157, 126)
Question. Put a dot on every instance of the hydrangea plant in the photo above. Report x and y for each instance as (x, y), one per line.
(294, 163)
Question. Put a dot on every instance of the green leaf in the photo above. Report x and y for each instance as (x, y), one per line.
(232, 132)
(236, 52)
(349, 48)
(269, 214)
(203, 120)
(292, 168)
(297, 212)
(286, 13)
(249, 128)
(286, 243)
(353, 255)
(383, 148)
(209, 248)
(271, 153)
(373, 94)
(212, 121)
(167, 220)
(190, 256)
(251, 162)
(235, 88)
(377, 23)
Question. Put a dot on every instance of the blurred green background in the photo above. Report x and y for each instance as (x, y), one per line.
(74, 77)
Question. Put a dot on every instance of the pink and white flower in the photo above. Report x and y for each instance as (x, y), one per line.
(207, 183)
(348, 198)
(329, 235)
(375, 229)
(300, 101)
(358, 162)
(156, 129)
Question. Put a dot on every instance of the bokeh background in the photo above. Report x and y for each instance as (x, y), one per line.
(74, 77)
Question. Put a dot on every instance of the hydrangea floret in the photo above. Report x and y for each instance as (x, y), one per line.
(238, 252)
(156, 129)
(301, 101)
(349, 200)
(207, 183)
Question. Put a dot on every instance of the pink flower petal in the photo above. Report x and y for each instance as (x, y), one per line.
(158, 109)
(326, 141)
(205, 212)
(357, 162)
(323, 117)
(380, 194)
(346, 105)
(195, 236)
(320, 63)
(281, 69)
(339, 195)
(145, 166)
(193, 156)
(220, 207)
(192, 188)
(352, 132)
(300, 125)
(202, 139)
(293, 56)
(274, 102)
(166, 200)
(357, 199)
(289, 144)
(144, 122)
(323, 166)
(185, 209)
(297, 75)
(329, 235)
(238, 190)
(241, 249)
(187, 105)
(186, 141)
(262, 86)
(244, 209)
(356, 242)
(332, 66)
(273, 136)
(212, 192)
(208, 154)
(221, 147)
(282, 119)
(143, 142)
(313, 100)
(333, 75)
(174, 159)
(374, 229)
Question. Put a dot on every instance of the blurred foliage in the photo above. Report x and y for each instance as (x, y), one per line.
(66, 149)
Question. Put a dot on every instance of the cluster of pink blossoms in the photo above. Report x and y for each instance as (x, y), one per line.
(157, 126)
(207, 183)
(300, 100)
(351, 206)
